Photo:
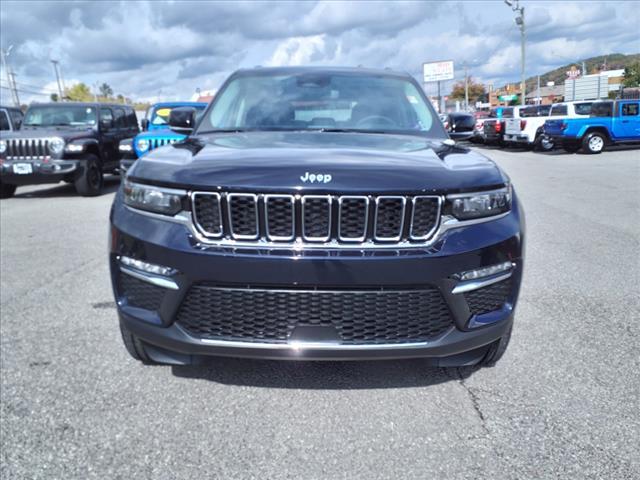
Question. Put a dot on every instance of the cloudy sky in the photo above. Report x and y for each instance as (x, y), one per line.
(149, 49)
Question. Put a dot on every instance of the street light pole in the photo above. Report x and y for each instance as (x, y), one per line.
(515, 6)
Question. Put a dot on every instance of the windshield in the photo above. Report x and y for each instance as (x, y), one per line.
(64, 115)
(160, 116)
(322, 101)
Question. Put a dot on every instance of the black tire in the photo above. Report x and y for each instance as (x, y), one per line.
(496, 350)
(594, 143)
(7, 190)
(134, 346)
(543, 143)
(89, 183)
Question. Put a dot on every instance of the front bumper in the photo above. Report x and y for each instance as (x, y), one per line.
(39, 171)
(169, 244)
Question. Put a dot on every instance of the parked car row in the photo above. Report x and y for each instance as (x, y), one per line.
(78, 142)
(587, 125)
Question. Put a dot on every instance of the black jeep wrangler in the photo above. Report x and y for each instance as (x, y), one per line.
(72, 142)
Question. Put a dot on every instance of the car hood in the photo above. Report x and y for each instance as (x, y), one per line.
(277, 161)
(166, 133)
(62, 132)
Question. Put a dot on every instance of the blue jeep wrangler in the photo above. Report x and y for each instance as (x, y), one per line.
(610, 123)
(156, 132)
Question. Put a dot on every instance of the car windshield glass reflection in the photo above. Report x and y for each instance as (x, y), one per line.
(49, 116)
(325, 102)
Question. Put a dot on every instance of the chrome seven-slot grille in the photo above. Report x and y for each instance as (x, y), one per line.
(316, 218)
(27, 148)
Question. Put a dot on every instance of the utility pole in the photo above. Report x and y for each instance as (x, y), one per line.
(55, 69)
(538, 96)
(11, 78)
(515, 6)
(14, 89)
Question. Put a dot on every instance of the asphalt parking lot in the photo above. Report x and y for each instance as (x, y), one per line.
(563, 402)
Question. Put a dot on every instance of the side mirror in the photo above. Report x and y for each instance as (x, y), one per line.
(182, 120)
(144, 124)
(460, 136)
(105, 124)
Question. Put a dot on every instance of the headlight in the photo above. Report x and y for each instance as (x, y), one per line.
(3, 146)
(142, 144)
(153, 199)
(56, 145)
(480, 204)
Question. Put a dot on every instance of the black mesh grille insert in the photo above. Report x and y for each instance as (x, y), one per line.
(207, 212)
(426, 213)
(280, 218)
(389, 217)
(140, 294)
(359, 317)
(488, 299)
(353, 218)
(243, 216)
(316, 221)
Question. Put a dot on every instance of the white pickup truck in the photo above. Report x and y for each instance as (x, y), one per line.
(526, 128)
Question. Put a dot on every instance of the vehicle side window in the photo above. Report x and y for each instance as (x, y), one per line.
(16, 118)
(132, 121)
(582, 108)
(4, 120)
(602, 109)
(119, 118)
(106, 114)
(630, 109)
(558, 110)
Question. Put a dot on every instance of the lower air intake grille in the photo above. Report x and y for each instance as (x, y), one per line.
(488, 299)
(140, 294)
(271, 315)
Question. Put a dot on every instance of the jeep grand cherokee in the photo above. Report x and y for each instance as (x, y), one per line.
(316, 214)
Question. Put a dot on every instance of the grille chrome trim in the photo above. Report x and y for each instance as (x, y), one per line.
(185, 218)
(254, 197)
(27, 148)
(363, 237)
(292, 202)
(395, 238)
(329, 199)
(193, 196)
(413, 213)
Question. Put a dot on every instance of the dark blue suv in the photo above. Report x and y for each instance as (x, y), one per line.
(316, 213)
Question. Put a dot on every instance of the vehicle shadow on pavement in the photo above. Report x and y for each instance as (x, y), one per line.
(111, 184)
(352, 375)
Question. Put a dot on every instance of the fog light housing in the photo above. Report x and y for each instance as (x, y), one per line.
(484, 271)
(147, 267)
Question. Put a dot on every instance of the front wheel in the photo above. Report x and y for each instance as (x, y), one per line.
(593, 143)
(89, 183)
(134, 346)
(496, 350)
(543, 143)
(7, 191)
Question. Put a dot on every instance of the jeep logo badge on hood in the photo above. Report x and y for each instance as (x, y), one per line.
(315, 177)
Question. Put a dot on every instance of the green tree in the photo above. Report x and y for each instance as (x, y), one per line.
(106, 90)
(79, 93)
(476, 90)
(632, 75)
(54, 97)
